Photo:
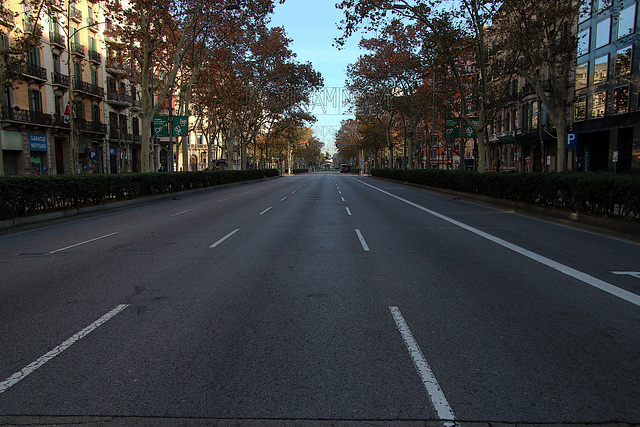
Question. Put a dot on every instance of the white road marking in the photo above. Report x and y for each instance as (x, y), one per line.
(293, 192)
(246, 193)
(283, 199)
(19, 376)
(224, 200)
(82, 243)
(571, 272)
(182, 213)
(635, 274)
(266, 210)
(362, 241)
(348, 211)
(342, 199)
(429, 381)
(224, 238)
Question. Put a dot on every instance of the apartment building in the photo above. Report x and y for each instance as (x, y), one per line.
(606, 120)
(62, 80)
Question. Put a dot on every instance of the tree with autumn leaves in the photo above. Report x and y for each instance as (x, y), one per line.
(228, 68)
(539, 40)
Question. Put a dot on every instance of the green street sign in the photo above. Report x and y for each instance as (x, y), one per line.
(180, 126)
(468, 130)
(452, 127)
(161, 126)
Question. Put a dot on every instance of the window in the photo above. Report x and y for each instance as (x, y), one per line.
(33, 56)
(135, 125)
(6, 98)
(581, 109)
(623, 61)
(95, 113)
(599, 105)
(603, 33)
(621, 100)
(585, 10)
(94, 77)
(56, 63)
(35, 100)
(199, 140)
(78, 110)
(583, 41)
(627, 21)
(58, 104)
(600, 73)
(582, 73)
(534, 115)
(77, 70)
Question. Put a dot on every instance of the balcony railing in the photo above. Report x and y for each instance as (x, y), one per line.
(95, 127)
(27, 69)
(60, 79)
(27, 116)
(92, 24)
(88, 88)
(57, 39)
(77, 48)
(118, 98)
(76, 14)
(95, 56)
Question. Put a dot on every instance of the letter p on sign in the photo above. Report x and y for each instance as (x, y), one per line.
(572, 140)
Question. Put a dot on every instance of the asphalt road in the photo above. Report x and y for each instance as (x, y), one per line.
(320, 298)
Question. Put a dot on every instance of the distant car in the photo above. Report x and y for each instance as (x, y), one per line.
(344, 168)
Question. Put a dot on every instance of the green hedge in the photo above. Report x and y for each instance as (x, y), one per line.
(299, 171)
(28, 195)
(600, 193)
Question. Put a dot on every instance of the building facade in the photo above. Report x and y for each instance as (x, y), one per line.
(606, 120)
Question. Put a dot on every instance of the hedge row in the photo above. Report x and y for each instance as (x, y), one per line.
(599, 193)
(28, 195)
(299, 171)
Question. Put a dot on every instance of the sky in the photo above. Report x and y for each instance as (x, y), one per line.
(311, 24)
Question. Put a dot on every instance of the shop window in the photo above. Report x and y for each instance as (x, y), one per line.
(603, 33)
(627, 21)
(621, 100)
(582, 73)
(583, 41)
(599, 105)
(600, 72)
(623, 61)
(580, 109)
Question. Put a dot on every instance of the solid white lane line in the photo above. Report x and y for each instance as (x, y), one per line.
(362, 241)
(571, 272)
(224, 238)
(19, 376)
(83, 243)
(266, 210)
(348, 211)
(438, 399)
(283, 199)
(182, 213)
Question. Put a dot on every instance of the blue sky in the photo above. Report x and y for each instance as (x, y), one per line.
(312, 27)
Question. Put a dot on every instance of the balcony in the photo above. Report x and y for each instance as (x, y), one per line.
(77, 49)
(74, 13)
(27, 116)
(95, 56)
(135, 105)
(60, 120)
(117, 68)
(28, 71)
(88, 88)
(92, 24)
(57, 40)
(32, 27)
(91, 127)
(60, 80)
(118, 99)
(7, 19)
